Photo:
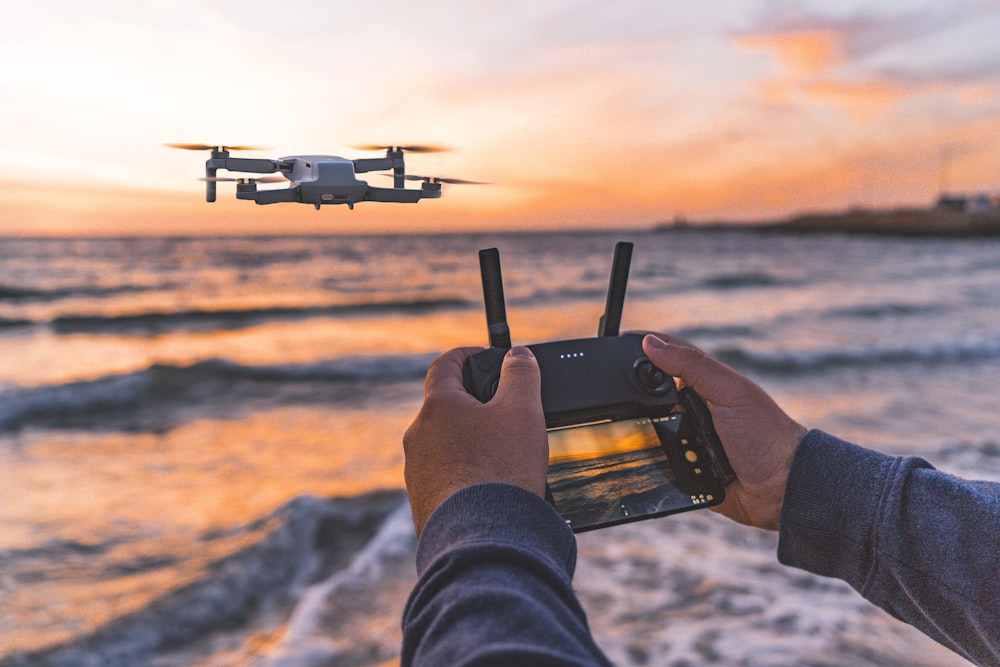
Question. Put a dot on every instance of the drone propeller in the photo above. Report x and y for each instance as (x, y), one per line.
(438, 179)
(262, 179)
(407, 149)
(209, 147)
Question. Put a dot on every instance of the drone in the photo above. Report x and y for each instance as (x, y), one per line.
(321, 179)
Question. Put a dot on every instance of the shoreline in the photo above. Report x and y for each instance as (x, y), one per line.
(897, 222)
(913, 222)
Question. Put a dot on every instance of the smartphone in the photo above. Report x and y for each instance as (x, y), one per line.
(612, 472)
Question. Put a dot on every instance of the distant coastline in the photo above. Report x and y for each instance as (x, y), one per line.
(949, 218)
(898, 222)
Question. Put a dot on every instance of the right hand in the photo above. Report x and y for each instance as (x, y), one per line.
(759, 438)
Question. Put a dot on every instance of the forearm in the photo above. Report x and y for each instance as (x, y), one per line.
(495, 565)
(923, 545)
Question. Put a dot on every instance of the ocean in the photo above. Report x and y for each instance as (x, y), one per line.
(200, 438)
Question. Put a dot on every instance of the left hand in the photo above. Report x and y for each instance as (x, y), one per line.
(456, 441)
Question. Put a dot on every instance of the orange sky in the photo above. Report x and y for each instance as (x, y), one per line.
(583, 115)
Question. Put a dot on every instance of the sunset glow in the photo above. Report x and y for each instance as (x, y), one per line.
(581, 116)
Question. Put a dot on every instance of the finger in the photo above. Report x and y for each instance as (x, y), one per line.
(445, 374)
(520, 378)
(709, 378)
(667, 338)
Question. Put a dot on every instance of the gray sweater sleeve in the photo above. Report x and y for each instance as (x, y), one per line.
(495, 564)
(921, 544)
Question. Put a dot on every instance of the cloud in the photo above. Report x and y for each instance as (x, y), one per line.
(814, 71)
(865, 61)
(801, 53)
(908, 43)
(862, 100)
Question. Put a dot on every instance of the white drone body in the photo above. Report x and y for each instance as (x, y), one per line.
(320, 179)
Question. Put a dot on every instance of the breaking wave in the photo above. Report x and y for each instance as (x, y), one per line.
(228, 319)
(156, 398)
(797, 363)
(307, 544)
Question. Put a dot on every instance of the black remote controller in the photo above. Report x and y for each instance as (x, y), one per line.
(584, 380)
(607, 379)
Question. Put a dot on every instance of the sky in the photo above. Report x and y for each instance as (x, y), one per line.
(580, 114)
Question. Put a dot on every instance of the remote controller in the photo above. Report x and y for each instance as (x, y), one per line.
(599, 384)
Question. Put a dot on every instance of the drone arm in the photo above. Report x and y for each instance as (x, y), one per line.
(220, 160)
(364, 165)
(271, 196)
(404, 196)
(210, 182)
(252, 165)
(397, 195)
(392, 160)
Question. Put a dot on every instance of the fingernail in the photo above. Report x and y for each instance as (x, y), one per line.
(520, 351)
(655, 342)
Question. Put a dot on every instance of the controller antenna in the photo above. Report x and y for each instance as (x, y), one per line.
(496, 309)
(611, 320)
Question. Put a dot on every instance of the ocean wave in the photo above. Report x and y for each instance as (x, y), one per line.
(15, 294)
(884, 310)
(699, 333)
(160, 397)
(8, 323)
(56, 549)
(369, 592)
(742, 280)
(309, 540)
(228, 319)
(796, 363)
(561, 294)
(76, 403)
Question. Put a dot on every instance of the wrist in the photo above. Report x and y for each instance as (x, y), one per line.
(787, 446)
(497, 513)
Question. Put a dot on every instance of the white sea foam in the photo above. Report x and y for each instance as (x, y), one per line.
(307, 640)
(697, 589)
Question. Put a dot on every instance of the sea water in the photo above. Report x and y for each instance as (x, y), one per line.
(200, 459)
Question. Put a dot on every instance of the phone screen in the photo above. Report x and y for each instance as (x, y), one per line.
(618, 471)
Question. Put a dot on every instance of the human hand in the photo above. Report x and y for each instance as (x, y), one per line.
(759, 438)
(456, 441)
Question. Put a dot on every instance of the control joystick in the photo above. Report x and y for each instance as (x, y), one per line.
(650, 378)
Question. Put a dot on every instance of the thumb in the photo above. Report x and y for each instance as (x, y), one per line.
(705, 375)
(519, 376)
